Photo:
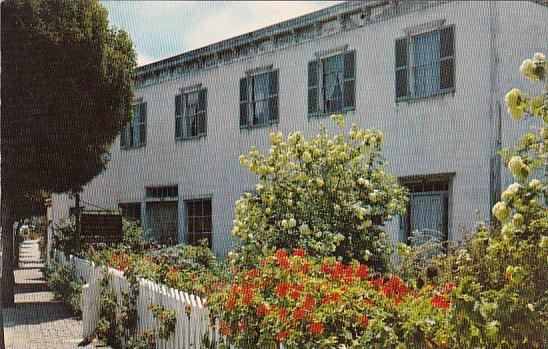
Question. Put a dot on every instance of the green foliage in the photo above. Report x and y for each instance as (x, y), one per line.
(310, 302)
(143, 340)
(167, 318)
(64, 52)
(62, 283)
(328, 195)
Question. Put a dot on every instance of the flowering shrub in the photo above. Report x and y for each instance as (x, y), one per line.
(328, 195)
(303, 301)
(167, 318)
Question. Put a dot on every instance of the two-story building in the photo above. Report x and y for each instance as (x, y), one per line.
(431, 75)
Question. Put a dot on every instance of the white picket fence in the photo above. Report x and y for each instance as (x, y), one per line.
(189, 329)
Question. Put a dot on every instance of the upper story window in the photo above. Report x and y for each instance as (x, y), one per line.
(331, 84)
(425, 64)
(134, 133)
(259, 99)
(191, 114)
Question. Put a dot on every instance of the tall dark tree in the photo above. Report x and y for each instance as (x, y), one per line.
(67, 90)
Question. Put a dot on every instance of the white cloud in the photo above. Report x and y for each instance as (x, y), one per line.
(241, 17)
(143, 59)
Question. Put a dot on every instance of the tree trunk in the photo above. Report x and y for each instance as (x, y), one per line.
(8, 279)
(77, 221)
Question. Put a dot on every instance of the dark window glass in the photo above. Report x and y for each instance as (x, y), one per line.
(447, 42)
(447, 73)
(401, 83)
(199, 221)
(401, 52)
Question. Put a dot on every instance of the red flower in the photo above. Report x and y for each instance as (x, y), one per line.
(333, 297)
(309, 302)
(316, 328)
(281, 253)
(507, 276)
(281, 335)
(326, 268)
(377, 282)
(299, 314)
(305, 268)
(282, 313)
(362, 272)
(230, 304)
(440, 302)
(295, 295)
(283, 289)
(252, 273)
(300, 252)
(262, 310)
(363, 320)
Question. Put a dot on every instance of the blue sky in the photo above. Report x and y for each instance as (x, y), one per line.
(161, 29)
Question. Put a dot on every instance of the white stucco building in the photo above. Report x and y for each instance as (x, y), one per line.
(431, 75)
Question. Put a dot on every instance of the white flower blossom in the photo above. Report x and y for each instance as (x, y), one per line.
(501, 211)
(511, 191)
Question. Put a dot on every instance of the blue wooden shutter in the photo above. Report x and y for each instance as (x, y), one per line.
(313, 87)
(244, 117)
(273, 96)
(178, 116)
(401, 70)
(202, 112)
(349, 80)
(143, 125)
(447, 59)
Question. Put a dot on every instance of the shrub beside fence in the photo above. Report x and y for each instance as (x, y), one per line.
(192, 316)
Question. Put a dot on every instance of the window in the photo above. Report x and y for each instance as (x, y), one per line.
(198, 221)
(162, 192)
(428, 207)
(425, 64)
(131, 211)
(191, 114)
(259, 99)
(134, 134)
(331, 84)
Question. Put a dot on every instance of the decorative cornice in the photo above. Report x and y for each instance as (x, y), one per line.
(342, 17)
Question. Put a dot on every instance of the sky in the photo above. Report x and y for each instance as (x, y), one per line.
(161, 29)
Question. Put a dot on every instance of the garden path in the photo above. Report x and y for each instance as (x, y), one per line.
(38, 320)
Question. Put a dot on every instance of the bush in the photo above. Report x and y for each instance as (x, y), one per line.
(309, 302)
(329, 196)
(61, 282)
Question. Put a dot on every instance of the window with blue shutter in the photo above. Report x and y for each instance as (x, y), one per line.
(191, 114)
(134, 133)
(331, 84)
(427, 60)
(259, 99)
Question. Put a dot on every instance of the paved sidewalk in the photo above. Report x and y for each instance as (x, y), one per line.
(38, 321)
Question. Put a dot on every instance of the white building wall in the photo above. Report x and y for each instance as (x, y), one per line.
(442, 134)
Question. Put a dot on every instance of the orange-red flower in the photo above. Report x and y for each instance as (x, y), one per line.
(262, 310)
(299, 314)
(316, 328)
(281, 335)
(309, 302)
(363, 320)
(283, 289)
(362, 272)
(333, 297)
(230, 304)
(300, 252)
(440, 302)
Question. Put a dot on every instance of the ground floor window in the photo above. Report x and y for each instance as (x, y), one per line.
(199, 221)
(131, 211)
(428, 208)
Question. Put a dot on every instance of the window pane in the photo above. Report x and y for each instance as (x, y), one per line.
(191, 102)
(349, 65)
(207, 208)
(190, 209)
(401, 83)
(427, 80)
(260, 112)
(260, 87)
(447, 72)
(143, 134)
(207, 224)
(202, 100)
(332, 77)
(191, 225)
